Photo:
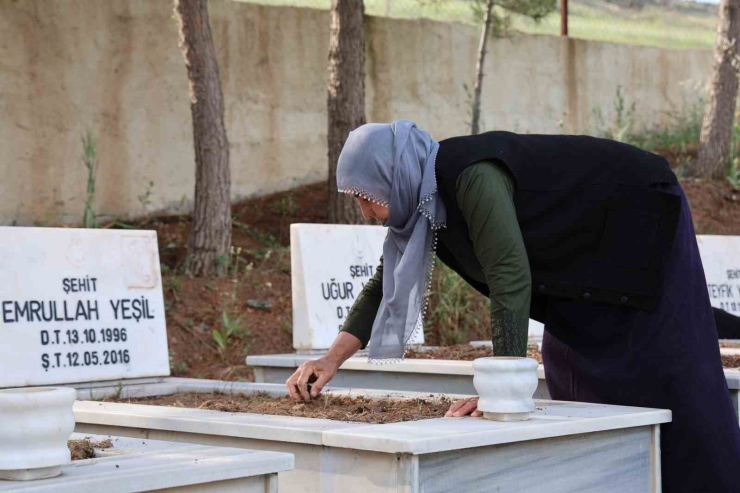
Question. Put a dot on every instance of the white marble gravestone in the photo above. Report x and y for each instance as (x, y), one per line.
(330, 265)
(720, 256)
(80, 305)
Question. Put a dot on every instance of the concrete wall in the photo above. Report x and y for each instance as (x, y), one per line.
(113, 67)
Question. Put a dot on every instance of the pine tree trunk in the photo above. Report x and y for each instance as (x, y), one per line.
(716, 131)
(210, 238)
(475, 125)
(346, 99)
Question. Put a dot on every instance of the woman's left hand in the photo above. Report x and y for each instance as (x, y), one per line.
(463, 407)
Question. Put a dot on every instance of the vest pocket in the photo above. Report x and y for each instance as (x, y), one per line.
(629, 237)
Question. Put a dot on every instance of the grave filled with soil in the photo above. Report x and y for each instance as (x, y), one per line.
(465, 352)
(341, 408)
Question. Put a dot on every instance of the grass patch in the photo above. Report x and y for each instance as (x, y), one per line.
(677, 141)
(686, 25)
(683, 26)
(457, 312)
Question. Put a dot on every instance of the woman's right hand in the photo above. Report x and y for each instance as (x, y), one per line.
(321, 370)
(317, 372)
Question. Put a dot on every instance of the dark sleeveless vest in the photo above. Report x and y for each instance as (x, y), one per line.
(593, 227)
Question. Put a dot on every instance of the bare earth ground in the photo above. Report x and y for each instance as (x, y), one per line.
(358, 409)
(258, 297)
(715, 206)
(85, 449)
(261, 295)
(465, 352)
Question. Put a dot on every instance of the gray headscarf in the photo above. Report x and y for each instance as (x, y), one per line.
(393, 165)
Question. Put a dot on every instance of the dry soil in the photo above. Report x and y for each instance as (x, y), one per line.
(357, 409)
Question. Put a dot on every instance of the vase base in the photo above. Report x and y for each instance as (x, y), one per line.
(506, 416)
(30, 474)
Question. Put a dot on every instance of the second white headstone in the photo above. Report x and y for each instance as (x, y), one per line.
(720, 256)
(330, 265)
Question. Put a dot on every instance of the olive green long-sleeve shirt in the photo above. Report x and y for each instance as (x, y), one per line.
(485, 197)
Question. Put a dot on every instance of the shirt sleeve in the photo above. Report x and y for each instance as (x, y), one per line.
(485, 195)
(360, 320)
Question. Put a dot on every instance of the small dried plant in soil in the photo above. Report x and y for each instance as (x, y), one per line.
(327, 406)
(85, 448)
(465, 352)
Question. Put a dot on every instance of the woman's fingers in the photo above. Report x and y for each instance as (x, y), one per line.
(457, 405)
(292, 384)
(466, 409)
(324, 376)
(298, 382)
(292, 388)
(462, 407)
(306, 373)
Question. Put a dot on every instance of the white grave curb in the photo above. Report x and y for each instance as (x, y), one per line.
(134, 465)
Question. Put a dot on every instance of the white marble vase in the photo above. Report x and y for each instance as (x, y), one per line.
(35, 424)
(505, 386)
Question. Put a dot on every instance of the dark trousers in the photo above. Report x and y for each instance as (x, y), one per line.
(668, 359)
